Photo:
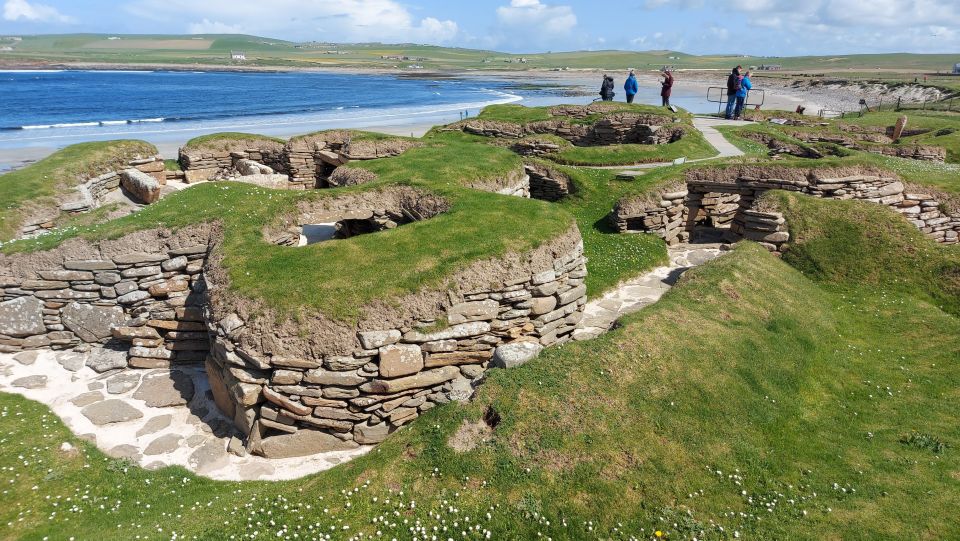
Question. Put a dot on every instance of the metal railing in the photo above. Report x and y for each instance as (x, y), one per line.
(718, 95)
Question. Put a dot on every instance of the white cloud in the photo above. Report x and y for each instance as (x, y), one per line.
(531, 25)
(207, 26)
(322, 20)
(834, 25)
(537, 18)
(15, 10)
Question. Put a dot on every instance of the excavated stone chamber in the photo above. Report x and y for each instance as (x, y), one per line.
(727, 198)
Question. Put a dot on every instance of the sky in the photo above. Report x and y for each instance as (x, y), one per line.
(756, 27)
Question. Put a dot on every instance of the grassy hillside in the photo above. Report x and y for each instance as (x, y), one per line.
(215, 49)
(755, 401)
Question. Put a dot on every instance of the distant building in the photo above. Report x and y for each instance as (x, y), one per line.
(113, 38)
(956, 69)
(770, 67)
(238, 56)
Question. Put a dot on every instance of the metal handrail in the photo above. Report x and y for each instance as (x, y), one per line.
(718, 94)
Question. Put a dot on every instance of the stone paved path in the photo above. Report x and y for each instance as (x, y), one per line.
(155, 418)
(600, 314)
(708, 127)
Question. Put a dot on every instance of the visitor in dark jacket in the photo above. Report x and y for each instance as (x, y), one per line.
(630, 87)
(745, 86)
(606, 89)
(733, 86)
(666, 87)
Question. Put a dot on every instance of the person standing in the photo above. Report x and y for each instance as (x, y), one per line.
(666, 87)
(630, 87)
(733, 86)
(606, 89)
(742, 93)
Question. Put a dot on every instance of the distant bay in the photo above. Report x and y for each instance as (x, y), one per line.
(54, 108)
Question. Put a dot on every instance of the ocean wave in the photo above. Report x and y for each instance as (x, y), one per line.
(88, 124)
(355, 116)
(32, 71)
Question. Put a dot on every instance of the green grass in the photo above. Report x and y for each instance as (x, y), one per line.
(38, 184)
(945, 177)
(225, 140)
(517, 114)
(753, 397)
(692, 146)
(851, 243)
(611, 257)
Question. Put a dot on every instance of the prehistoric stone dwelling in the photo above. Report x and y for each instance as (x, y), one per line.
(726, 198)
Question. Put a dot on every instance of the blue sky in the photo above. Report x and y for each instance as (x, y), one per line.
(762, 27)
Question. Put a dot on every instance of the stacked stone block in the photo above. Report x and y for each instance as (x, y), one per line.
(547, 184)
(614, 129)
(151, 300)
(660, 217)
(392, 375)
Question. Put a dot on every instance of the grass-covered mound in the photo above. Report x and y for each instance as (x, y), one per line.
(692, 145)
(752, 401)
(225, 141)
(38, 185)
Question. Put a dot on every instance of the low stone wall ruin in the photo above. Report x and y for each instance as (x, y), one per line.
(307, 161)
(207, 164)
(913, 152)
(547, 183)
(614, 129)
(710, 195)
(81, 293)
(92, 193)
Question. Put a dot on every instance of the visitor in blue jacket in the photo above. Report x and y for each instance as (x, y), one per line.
(631, 87)
(745, 86)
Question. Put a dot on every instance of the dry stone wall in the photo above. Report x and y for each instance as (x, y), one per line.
(369, 380)
(202, 164)
(148, 302)
(547, 183)
(711, 194)
(914, 152)
(614, 129)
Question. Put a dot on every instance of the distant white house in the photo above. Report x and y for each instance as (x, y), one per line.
(956, 69)
(112, 38)
(238, 56)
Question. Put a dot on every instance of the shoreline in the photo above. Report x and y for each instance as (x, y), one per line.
(578, 87)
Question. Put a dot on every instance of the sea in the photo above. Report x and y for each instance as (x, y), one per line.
(55, 108)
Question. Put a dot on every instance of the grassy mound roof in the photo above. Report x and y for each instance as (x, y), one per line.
(39, 184)
(753, 401)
